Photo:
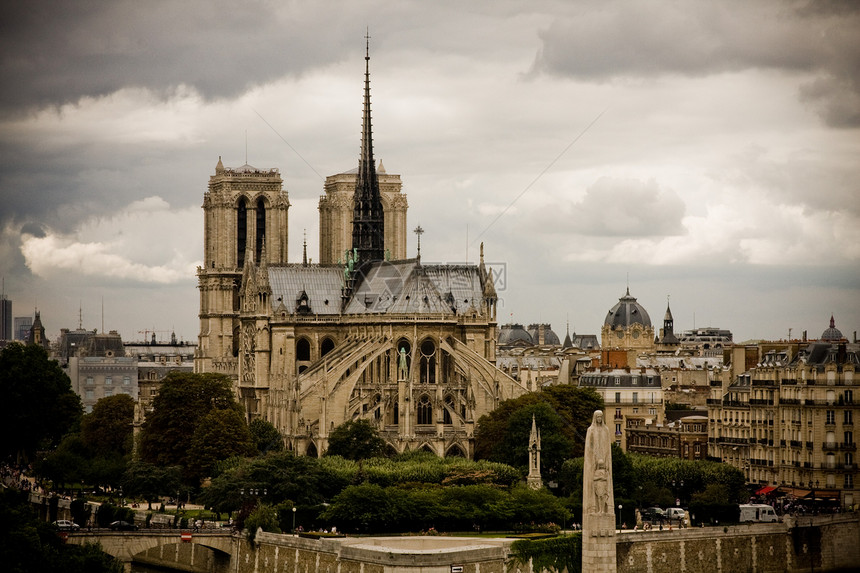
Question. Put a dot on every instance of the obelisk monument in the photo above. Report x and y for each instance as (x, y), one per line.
(598, 501)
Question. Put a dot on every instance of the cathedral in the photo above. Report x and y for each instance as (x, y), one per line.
(365, 333)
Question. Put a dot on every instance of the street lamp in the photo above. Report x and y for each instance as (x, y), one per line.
(619, 516)
(294, 520)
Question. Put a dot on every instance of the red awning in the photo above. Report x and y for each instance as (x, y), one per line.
(765, 490)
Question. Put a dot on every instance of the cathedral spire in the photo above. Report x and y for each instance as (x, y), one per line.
(368, 235)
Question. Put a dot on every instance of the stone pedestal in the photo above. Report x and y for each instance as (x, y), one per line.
(598, 543)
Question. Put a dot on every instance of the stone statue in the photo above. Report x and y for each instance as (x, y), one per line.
(597, 469)
(598, 502)
(350, 263)
(402, 367)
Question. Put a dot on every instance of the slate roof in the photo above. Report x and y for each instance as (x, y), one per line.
(393, 287)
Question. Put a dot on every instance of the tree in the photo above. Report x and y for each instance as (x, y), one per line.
(221, 434)
(149, 481)
(183, 401)
(107, 430)
(37, 403)
(266, 436)
(562, 413)
(355, 440)
(31, 545)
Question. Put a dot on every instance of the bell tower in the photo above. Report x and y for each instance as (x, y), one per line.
(245, 217)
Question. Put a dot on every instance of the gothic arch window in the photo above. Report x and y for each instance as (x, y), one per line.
(312, 450)
(455, 451)
(303, 349)
(428, 362)
(241, 231)
(425, 410)
(261, 229)
(326, 346)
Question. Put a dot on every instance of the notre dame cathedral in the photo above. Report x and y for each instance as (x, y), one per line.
(364, 334)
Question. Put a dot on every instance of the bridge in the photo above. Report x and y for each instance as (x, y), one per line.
(203, 551)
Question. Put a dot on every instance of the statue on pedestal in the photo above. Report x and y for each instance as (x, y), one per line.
(598, 502)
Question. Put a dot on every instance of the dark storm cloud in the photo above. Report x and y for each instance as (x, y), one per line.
(58, 52)
(641, 40)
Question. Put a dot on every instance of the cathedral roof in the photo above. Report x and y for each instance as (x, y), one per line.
(380, 287)
(626, 313)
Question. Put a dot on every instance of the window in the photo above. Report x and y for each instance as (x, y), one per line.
(831, 417)
(635, 397)
(617, 429)
(849, 460)
(425, 410)
(849, 481)
(618, 397)
(847, 417)
(617, 380)
(849, 437)
(89, 380)
(652, 411)
(108, 381)
(635, 410)
(617, 413)
(108, 392)
(849, 396)
(126, 380)
(90, 395)
(303, 349)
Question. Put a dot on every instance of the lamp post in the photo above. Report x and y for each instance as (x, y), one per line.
(294, 520)
(619, 516)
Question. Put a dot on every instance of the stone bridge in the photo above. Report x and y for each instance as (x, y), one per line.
(205, 551)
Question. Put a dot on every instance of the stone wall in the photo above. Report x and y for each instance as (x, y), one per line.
(824, 544)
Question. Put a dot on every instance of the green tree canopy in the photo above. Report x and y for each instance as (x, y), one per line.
(37, 403)
(107, 429)
(149, 481)
(266, 436)
(355, 440)
(562, 413)
(183, 401)
(221, 434)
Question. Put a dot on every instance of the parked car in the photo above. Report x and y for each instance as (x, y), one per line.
(122, 526)
(66, 525)
(653, 514)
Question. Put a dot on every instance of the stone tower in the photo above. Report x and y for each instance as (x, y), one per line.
(534, 480)
(245, 217)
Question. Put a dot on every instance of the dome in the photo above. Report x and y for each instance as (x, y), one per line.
(549, 337)
(832, 333)
(514, 333)
(626, 313)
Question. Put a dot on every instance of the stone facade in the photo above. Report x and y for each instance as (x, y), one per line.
(788, 421)
(245, 214)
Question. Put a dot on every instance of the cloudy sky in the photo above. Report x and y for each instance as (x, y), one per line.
(703, 151)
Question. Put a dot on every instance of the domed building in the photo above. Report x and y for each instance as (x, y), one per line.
(627, 327)
(514, 335)
(542, 334)
(832, 334)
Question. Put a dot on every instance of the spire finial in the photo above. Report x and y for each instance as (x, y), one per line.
(367, 47)
(305, 249)
(418, 232)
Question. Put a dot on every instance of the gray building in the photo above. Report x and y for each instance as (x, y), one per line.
(6, 332)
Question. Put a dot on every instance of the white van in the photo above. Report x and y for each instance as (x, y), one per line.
(758, 512)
